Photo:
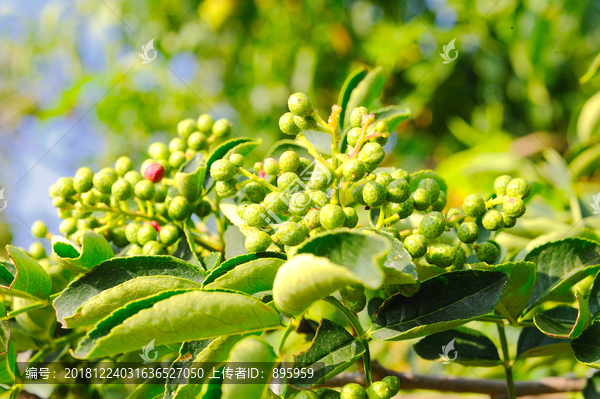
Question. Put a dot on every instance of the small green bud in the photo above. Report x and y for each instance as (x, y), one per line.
(289, 161)
(103, 182)
(468, 232)
(131, 231)
(258, 166)
(64, 187)
(300, 203)
(441, 255)
(351, 217)
(122, 190)
(89, 222)
(440, 202)
(197, 141)
(226, 189)
(254, 216)
(353, 391)
(237, 160)
(152, 248)
(357, 194)
(118, 237)
(179, 208)
(145, 190)
(203, 208)
(258, 241)
(177, 159)
(177, 144)
(514, 207)
(39, 229)
(398, 191)
(186, 127)
(403, 209)
(53, 190)
(274, 202)
(64, 213)
(111, 172)
(354, 136)
(221, 128)
(371, 154)
(474, 205)
(356, 116)
(160, 192)
(374, 194)
(492, 220)
(205, 123)
(135, 250)
(133, 177)
(500, 184)
(354, 170)
(487, 252)
(305, 122)
(332, 216)
(299, 104)
(460, 258)
(286, 180)
(68, 226)
(306, 165)
(287, 124)
(432, 225)
(37, 251)
(271, 167)
(83, 180)
(123, 165)
(158, 151)
(379, 390)
(508, 221)
(384, 179)
(393, 383)
(320, 199)
(255, 192)
(416, 245)
(145, 234)
(400, 174)
(169, 234)
(518, 188)
(306, 395)
(312, 219)
(290, 233)
(223, 169)
(432, 189)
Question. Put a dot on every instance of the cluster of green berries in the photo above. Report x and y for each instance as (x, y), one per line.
(384, 389)
(141, 209)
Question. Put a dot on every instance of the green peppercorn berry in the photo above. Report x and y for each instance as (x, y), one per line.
(353, 391)
(508, 221)
(400, 174)
(357, 194)
(111, 172)
(89, 198)
(197, 141)
(393, 383)
(258, 241)
(275, 202)
(160, 192)
(374, 194)
(254, 216)
(87, 223)
(145, 234)
(454, 216)
(186, 127)
(118, 237)
(53, 190)
(357, 305)
(287, 124)
(103, 182)
(237, 160)
(133, 177)
(432, 225)
(384, 179)
(514, 207)
(305, 122)
(352, 292)
(332, 216)
(179, 208)
(416, 245)
(287, 179)
(299, 104)
(500, 184)
(223, 169)
(440, 202)
(37, 251)
(227, 189)
(420, 199)
(398, 191)
(371, 154)
(381, 140)
(487, 252)
(492, 220)
(518, 188)
(177, 144)
(205, 123)
(169, 234)
(289, 233)
(326, 393)
(158, 151)
(474, 205)
(68, 226)
(351, 217)
(403, 209)
(306, 395)
(354, 170)
(354, 136)
(153, 248)
(356, 116)
(39, 229)
(460, 258)
(145, 190)
(289, 161)
(64, 187)
(203, 208)
(300, 203)
(441, 255)
(319, 198)
(379, 390)
(131, 231)
(123, 165)
(221, 128)
(135, 250)
(83, 180)
(312, 220)
(122, 190)
(432, 189)
(64, 213)
(468, 232)
(255, 192)
(271, 167)
(177, 159)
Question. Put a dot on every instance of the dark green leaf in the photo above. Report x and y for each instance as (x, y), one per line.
(461, 345)
(367, 90)
(533, 343)
(30, 281)
(332, 351)
(7, 354)
(594, 297)
(586, 347)
(443, 302)
(149, 389)
(94, 249)
(557, 329)
(349, 85)
(592, 388)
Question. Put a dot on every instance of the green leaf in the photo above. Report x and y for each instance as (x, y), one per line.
(332, 350)
(94, 249)
(31, 280)
(250, 273)
(240, 145)
(361, 252)
(230, 211)
(561, 264)
(398, 268)
(443, 302)
(392, 115)
(212, 260)
(592, 388)
(521, 280)
(588, 123)
(586, 162)
(416, 177)
(557, 329)
(39, 323)
(592, 70)
(586, 347)
(257, 351)
(367, 90)
(186, 247)
(286, 145)
(7, 354)
(349, 85)
(307, 278)
(190, 316)
(109, 278)
(191, 176)
(461, 345)
(594, 297)
(533, 343)
(149, 389)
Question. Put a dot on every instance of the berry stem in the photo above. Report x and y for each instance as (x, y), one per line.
(391, 219)
(132, 215)
(495, 201)
(312, 150)
(150, 208)
(33, 306)
(257, 179)
(381, 220)
(141, 206)
(291, 326)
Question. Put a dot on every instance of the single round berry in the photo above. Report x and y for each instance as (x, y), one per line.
(384, 179)
(135, 250)
(326, 393)
(255, 192)
(514, 207)
(351, 217)
(89, 222)
(305, 122)
(299, 104)
(122, 190)
(420, 199)
(398, 191)
(332, 216)
(353, 136)
(223, 169)
(354, 170)
(37, 251)
(258, 166)
(432, 225)
(400, 174)
(152, 248)
(205, 123)
(289, 161)
(221, 128)
(306, 165)
(468, 232)
(145, 234)
(320, 199)
(416, 245)
(287, 180)
(197, 141)
(154, 172)
(290, 233)
(357, 305)
(432, 189)
(487, 252)
(357, 194)
(160, 193)
(500, 184)
(275, 202)
(508, 221)
(371, 154)
(226, 189)
(312, 219)
(177, 159)
(64, 187)
(255, 216)
(133, 177)
(353, 391)
(271, 166)
(131, 232)
(118, 237)
(393, 383)
(83, 180)
(356, 116)
(441, 255)
(379, 390)
(123, 165)
(300, 203)
(177, 144)
(39, 229)
(103, 182)
(455, 216)
(179, 208)
(381, 127)
(287, 124)
(320, 178)
(186, 127)
(518, 188)
(492, 220)
(68, 226)
(440, 202)
(374, 194)
(237, 160)
(158, 151)
(460, 258)
(64, 213)
(403, 209)
(307, 395)
(203, 208)
(89, 198)
(111, 172)
(258, 241)
(474, 205)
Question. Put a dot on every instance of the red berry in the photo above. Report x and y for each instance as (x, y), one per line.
(155, 172)
(155, 225)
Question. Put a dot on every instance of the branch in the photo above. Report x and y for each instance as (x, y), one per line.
(494, 388)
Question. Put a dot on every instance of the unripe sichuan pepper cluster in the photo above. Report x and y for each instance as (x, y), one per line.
(384, 389)
(143, 209)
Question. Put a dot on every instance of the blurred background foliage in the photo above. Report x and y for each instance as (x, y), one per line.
(73, 90)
